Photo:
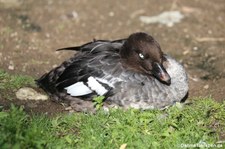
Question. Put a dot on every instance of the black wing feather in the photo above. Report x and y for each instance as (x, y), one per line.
(86, 63)
(90, 45)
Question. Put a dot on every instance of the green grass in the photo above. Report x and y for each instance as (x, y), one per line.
(19, 130)
(201, 122)
(8, 81)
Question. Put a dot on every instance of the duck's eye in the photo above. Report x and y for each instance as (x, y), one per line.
(141, 56)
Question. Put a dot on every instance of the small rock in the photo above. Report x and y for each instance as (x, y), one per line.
(68, 108)
(54, 66)
(195, 48)
(11, 67)
(185, 65)
(71, 15)
(111, 14)
(47, 35)
(195, 79)
(187, 36)
(14, 34)
(74, 14)
(188, 10)
(206, 87)
(209, 31)
(186, 52)
(169, 18)
(27, 93)
(71, 111)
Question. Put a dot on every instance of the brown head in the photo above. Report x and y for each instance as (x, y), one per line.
(142, 53)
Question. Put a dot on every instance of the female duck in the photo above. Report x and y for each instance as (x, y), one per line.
(131, 72)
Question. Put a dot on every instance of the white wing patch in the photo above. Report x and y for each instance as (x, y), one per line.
(78, 89)
(95, 86)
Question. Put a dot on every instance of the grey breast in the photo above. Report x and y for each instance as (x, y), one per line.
(141, 92)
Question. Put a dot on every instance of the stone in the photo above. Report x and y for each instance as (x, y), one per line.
(27, 93)
(169, 18)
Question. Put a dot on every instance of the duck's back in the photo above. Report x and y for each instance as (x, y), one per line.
(95, 69)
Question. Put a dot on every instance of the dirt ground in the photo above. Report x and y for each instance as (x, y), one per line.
(31, 31)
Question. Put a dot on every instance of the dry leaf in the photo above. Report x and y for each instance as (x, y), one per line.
(123, 146)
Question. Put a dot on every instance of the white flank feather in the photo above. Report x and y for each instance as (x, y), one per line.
(78, 89)
(96, 86)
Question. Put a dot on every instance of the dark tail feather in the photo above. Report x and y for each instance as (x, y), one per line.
(45, 83)
(78, 48)
(87, 46)
(48, 81)
(70, 48)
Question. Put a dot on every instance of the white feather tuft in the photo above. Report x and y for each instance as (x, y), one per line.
(78, 89)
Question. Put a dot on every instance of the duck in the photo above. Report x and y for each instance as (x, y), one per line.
(130, 73)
